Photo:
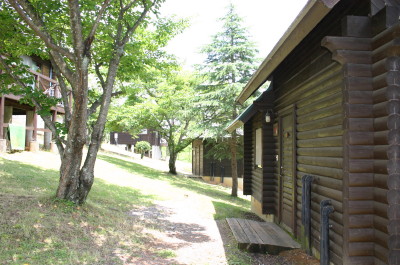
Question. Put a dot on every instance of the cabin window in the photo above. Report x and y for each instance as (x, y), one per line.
(258, 159)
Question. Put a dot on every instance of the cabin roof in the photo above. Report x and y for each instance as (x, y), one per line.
(242, 118)
(312, 13)
(249, 112)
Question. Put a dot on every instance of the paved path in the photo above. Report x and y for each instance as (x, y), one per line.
(183, 220)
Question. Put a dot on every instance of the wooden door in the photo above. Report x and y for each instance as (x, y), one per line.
(287, 202)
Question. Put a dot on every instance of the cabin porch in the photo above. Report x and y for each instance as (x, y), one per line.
(18, 114)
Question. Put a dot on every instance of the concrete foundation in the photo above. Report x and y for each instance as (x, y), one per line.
(257, 209)
(3, 145)
(34, 146)
(53, 148)
(226, 182)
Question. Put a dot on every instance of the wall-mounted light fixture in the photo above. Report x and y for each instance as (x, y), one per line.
(268, 116)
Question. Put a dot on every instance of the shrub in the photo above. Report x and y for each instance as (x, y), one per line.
(142, 147)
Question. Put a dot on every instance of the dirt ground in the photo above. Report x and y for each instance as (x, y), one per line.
(182, 221)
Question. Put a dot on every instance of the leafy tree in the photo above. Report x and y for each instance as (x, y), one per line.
(229, 65)
(80, 37)
(142, 147)
(167, 107)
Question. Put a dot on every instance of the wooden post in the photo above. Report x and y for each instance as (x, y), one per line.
(3, 145)
(34, 145)
(2, 99)
(8, 112)
(34, 138)
(29, 124)
(46, 138)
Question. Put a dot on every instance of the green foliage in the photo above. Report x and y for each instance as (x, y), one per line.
(166, 105)
(166, 253)
(229, 65)
(142, 51)
(186, 154)
(142, 147)
(218, 148)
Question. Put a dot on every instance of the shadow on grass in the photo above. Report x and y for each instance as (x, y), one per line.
(191, 184)
(36, 228)
(24, 179)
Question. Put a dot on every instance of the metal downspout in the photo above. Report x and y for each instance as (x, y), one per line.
(326, 209)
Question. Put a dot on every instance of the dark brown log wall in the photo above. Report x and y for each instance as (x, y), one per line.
(346, 118)
(353, 52)
(333, 104)
(385, 70)
(316, 93)
(257, 181)
(263, 182)
(247, 158)
(270, 180)
(202, 165)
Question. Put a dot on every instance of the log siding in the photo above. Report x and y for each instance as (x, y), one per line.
(341, 87)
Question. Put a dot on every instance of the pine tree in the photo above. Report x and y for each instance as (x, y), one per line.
(230, 62)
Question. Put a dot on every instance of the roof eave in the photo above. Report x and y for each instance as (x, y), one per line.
(234, 125)
(312, 13)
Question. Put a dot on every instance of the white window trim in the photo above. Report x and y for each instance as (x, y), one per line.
(258, 148)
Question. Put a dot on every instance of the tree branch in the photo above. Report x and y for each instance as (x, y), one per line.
(183, 132)
(76, 27)
(64, 93)
(90, 37)
(128, 6)
(130, 30)
(98, 101)
(99, 75)
(28, 13)
(31, 17)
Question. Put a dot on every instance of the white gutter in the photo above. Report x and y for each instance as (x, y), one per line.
(309, 17)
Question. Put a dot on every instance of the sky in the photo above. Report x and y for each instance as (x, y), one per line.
(266, 20)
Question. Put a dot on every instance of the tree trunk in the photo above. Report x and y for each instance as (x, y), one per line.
(172, 162)
(72, 66)
(233, 149)
(71, 160)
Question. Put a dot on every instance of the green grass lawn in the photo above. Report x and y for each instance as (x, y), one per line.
(185, 155)
(36, 228)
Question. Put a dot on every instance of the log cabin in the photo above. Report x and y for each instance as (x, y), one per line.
(14, 111)
(322, 143)
(216, 171)
(127, 140)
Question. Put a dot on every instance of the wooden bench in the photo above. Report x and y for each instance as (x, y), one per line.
(263, 237)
